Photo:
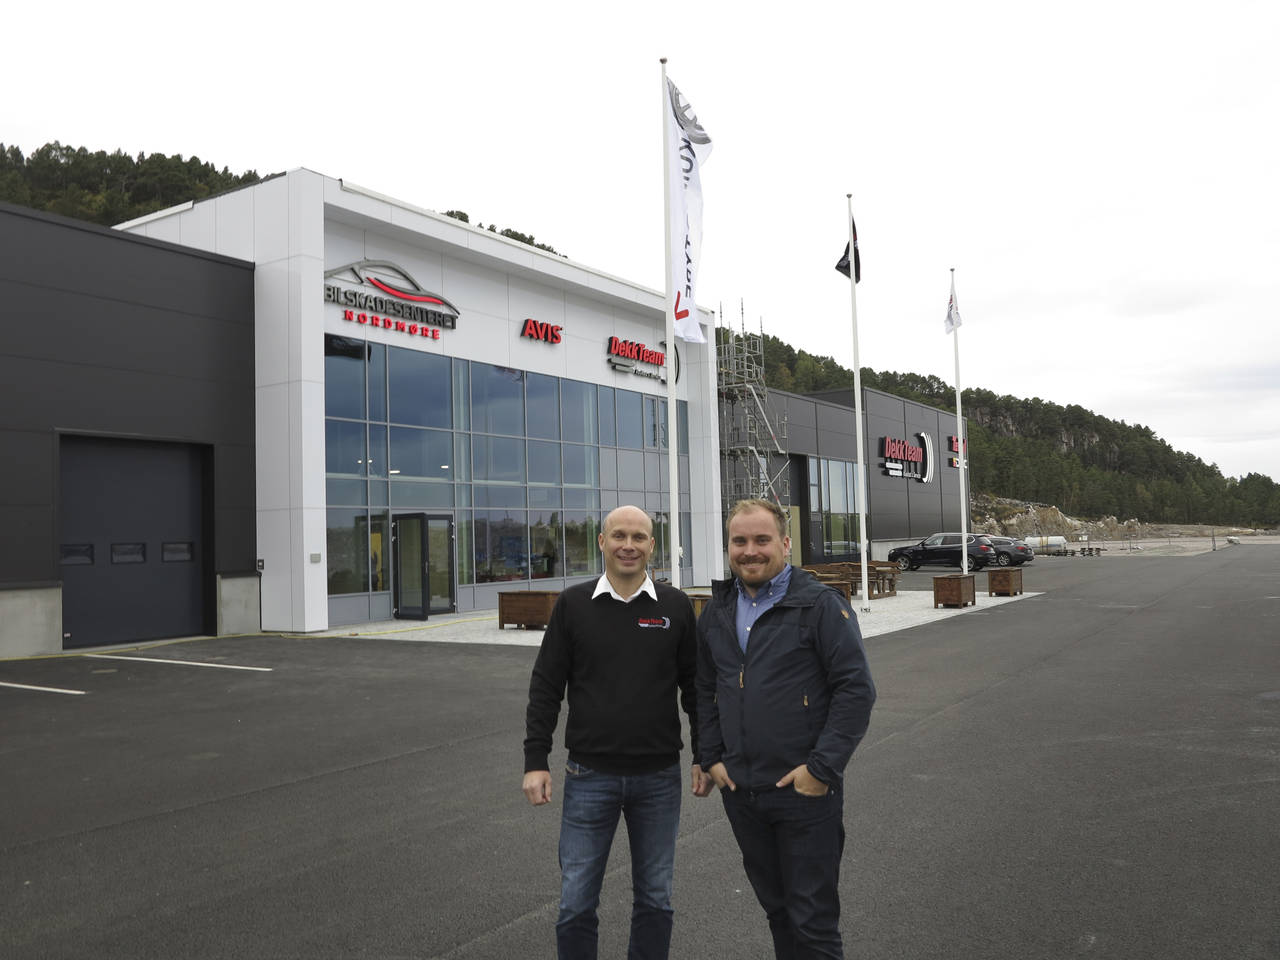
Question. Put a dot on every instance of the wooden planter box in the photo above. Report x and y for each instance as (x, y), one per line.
(526, 608)
(699, 597)
(1006, 582)
(954, 590)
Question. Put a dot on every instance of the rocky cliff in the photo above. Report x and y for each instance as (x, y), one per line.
(1018, 518)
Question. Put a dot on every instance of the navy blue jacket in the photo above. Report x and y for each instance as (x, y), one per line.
(801, 694)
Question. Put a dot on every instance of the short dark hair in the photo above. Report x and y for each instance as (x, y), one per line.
(758, 503)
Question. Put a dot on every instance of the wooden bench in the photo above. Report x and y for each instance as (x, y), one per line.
(882, 577)
(526, 608)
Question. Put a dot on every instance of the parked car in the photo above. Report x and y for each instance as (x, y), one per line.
(943, 549)
(1011, 551)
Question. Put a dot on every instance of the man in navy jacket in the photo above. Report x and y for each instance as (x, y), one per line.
(784, 697)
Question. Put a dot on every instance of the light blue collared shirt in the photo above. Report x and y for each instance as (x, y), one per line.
(750, 608)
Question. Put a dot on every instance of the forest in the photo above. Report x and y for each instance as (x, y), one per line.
(1087, 465)
(108, 188)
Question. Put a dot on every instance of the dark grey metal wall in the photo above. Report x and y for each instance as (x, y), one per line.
(108, 334)
(898, 508)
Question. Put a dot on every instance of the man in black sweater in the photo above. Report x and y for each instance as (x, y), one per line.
(622, 645)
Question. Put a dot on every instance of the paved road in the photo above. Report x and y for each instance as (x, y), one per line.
(1092, 772)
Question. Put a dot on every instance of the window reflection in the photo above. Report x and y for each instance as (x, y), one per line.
(404, 420)
(581, 546)
(543, 394)
(608, 422)
(421, 453)
(497, 399)
(344, 453)
(419, 388)
(545, 533)
(344, 361)
(630, 419)
(348, 544)
(502, 545)
(499, 458)
(578, 411)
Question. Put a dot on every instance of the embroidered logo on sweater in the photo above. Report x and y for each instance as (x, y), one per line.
(654, 623)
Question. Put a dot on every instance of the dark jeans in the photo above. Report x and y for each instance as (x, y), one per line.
(791, 848)
(592, 804)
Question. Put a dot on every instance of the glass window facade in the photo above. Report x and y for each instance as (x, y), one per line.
(832, 498)
(527, 465)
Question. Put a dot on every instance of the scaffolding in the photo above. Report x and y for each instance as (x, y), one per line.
(753, 459)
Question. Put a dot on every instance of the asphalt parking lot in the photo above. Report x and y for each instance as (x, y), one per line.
(1092, 771)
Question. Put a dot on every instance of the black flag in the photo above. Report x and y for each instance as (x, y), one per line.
(843, 265)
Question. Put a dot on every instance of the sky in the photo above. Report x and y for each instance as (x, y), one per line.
(1104, 177)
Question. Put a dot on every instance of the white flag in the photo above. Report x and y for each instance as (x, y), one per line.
(688, 146)
(953, 308)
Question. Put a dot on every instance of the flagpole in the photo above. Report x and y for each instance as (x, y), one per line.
(962, 452)
(859, 491)
(673, 421)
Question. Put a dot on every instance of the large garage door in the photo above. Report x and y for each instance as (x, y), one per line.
(132, 540)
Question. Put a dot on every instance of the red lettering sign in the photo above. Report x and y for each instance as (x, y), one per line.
(636, 351)
(546, 332)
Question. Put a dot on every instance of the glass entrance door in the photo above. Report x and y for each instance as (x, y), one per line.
(408, 536)
(440, 579)
(423, 576)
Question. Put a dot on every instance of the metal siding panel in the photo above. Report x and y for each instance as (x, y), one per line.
(106, 333)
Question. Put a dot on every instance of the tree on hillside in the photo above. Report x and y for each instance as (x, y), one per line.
(108, 188)
(1031, 449)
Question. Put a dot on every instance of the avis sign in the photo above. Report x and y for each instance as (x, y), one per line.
(546, 332)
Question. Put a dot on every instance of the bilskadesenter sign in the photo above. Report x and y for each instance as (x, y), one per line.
(386, 296)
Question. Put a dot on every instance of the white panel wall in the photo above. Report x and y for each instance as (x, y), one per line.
(233, 231)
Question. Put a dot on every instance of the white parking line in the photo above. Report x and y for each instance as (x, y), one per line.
(185, 663)
(27, 686)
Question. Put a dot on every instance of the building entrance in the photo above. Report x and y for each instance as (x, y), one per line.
(422, 557)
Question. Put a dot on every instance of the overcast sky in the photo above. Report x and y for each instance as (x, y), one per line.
(1104, 176)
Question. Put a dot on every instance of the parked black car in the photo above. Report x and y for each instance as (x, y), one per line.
(943, 549)
(1011, 551)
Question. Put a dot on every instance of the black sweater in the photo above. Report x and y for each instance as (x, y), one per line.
(622, 663)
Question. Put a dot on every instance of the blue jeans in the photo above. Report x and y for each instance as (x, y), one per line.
(592, 802)
(791, 848)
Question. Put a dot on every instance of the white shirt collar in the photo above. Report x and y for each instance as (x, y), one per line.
(604, 586)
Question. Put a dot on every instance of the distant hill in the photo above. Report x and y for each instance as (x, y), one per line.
(108, 188)
(1086, 464)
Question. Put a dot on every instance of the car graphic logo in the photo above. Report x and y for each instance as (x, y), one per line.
(389, 278)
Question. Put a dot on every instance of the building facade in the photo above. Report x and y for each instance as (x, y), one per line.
(911, 463)
(441, 412)
(127, 434)
(302, 404)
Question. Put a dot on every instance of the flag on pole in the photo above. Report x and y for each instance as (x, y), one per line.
(688, 146)
(843, 265)
(953, 308)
